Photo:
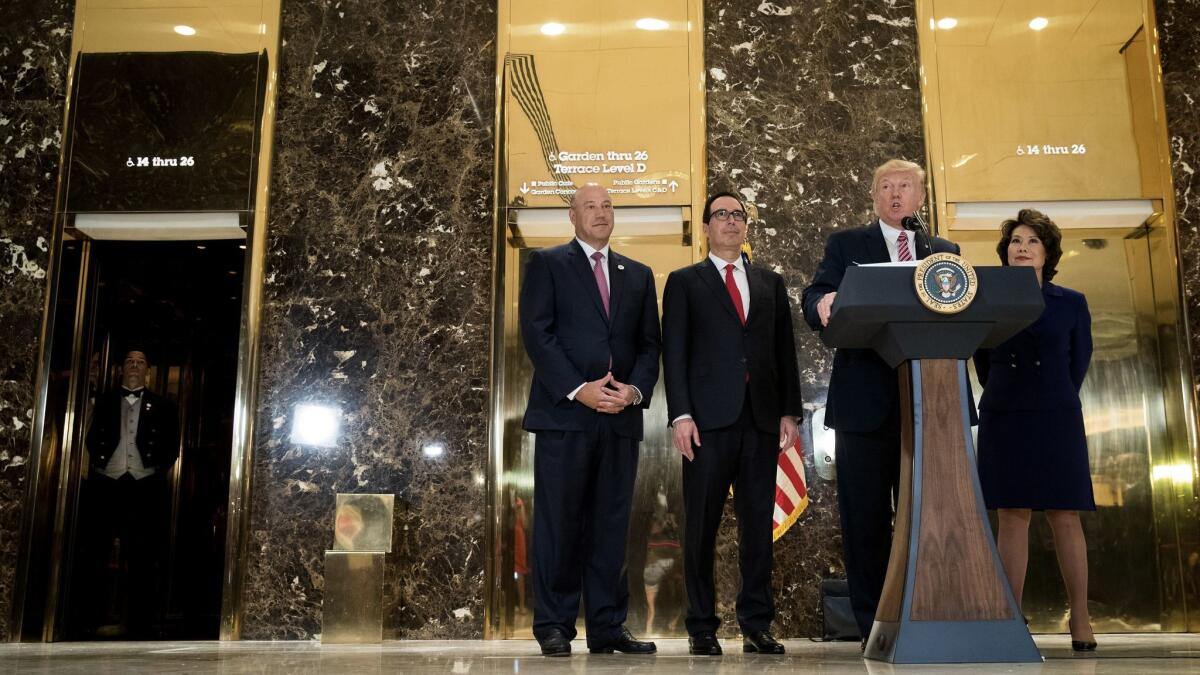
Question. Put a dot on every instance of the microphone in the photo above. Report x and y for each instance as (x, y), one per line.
(917, 224)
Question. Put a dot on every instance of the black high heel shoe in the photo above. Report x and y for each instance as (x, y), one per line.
(1083, 645)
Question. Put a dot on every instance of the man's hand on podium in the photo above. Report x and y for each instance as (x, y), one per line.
(825, 307)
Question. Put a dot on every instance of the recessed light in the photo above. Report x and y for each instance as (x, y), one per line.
(553, 29)
(947, 23)
(185, 30)
(1039, 23)
(649, 23)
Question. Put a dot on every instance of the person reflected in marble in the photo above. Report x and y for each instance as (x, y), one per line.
(863, 402)
(589, 322)
(733, 398)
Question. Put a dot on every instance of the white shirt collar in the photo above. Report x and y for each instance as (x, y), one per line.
(891, 234)
(588, 250)
(720, 262)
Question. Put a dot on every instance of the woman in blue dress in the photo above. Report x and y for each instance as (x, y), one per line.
(1032, 446)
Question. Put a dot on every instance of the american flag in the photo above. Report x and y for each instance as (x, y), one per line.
(791, 489)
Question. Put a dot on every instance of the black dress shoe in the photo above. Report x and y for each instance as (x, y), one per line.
(704, 644)
(625, 644)
(555, 643)
(1083, 645)
(761, 642)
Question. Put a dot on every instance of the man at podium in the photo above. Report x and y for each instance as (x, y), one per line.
(863, 403)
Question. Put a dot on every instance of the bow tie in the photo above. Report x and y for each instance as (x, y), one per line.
(137, 393)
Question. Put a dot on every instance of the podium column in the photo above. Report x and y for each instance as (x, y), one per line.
(945, 597)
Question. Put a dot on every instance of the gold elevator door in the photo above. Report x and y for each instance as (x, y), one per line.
(1131, 538)
(655, 555)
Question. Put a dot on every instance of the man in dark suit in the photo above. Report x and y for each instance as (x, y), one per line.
(589, 320)
(132, 442)
(863, 402)
(733, 395)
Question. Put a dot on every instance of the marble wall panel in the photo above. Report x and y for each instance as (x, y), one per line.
(378, 302)
(1180, 54)
(804, 101)
(35, 38)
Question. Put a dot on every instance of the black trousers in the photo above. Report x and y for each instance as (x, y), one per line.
(583, 489)
(128, 549)
(743, 457)
(868, 480)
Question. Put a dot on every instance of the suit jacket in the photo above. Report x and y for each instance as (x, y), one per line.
(1042, 367)
(157, 433)
(862, 389)
(570, 340)
(707, 353)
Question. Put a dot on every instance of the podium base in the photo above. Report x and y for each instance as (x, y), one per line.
(1006, 641)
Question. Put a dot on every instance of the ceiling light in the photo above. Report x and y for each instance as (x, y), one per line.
(947, 23)
(553, 29)
(652, 24)
(1039, 23)
(185, 30)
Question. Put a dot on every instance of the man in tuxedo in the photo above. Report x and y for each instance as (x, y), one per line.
(863, 402)
(733, 396)
(132, 442)
(589, 320)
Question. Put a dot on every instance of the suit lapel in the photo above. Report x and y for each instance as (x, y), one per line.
(583, 268)
(712, 278)
(616, 284)
(921, 242)
(877, 251)
(758, 292)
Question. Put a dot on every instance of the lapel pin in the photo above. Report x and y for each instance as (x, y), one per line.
(620, 267)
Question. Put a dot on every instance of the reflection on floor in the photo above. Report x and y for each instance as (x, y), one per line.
(1162, 653)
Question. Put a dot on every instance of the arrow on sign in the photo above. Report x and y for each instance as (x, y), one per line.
(524, 188)
(674, 186)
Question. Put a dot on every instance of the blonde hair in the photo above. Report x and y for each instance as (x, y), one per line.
(898, 166)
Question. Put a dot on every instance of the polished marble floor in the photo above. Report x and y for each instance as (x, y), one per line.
(1172, 653)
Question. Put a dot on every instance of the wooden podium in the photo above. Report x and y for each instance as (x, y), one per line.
(945, 598)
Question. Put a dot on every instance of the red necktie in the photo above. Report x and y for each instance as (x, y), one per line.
(734, 293)
(902, 248)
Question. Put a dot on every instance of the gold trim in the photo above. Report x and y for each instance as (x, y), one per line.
(241, 461)
(935, 304)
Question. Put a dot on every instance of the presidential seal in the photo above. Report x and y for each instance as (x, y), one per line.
(945, 283)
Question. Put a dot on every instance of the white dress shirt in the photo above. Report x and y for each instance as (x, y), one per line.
(589, 251)
(743, 286)
(739, 277)
(891, 237)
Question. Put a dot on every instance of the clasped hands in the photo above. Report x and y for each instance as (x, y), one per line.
(607, 395)
(686, 436)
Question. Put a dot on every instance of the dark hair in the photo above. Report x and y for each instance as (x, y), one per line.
(135, 347)
(1045, 229)
(708, 204)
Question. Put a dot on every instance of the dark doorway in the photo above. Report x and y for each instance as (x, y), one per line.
(179, 303)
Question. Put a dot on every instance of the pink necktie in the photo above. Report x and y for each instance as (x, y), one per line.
(902, 247)
(601, 284)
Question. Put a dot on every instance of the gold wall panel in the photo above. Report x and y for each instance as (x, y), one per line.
(586, 89)
(352, 609)
(1035, 115)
